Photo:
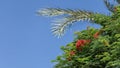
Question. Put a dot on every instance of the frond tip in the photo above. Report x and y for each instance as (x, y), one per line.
(60, 26)
(48, 12)
(53, 12)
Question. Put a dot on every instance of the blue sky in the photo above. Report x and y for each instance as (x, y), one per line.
(25, 38)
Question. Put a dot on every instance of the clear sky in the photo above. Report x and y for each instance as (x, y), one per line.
(25, 38)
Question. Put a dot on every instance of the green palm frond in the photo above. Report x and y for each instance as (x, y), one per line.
(109, 6)
(60, 26)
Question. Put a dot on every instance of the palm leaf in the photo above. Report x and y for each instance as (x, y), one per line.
(109, 6)
(59, 26)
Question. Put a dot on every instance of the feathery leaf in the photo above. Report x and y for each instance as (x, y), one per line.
(109, 6)
(60, 26)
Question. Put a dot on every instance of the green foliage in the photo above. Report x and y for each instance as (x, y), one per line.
(91, 48)
(98, 48)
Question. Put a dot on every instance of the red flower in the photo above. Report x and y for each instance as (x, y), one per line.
(72, 53)
(96, 34)
(80, 43)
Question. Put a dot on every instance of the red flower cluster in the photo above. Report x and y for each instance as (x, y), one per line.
(80, 43)
(72, 53)
(96, 34)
